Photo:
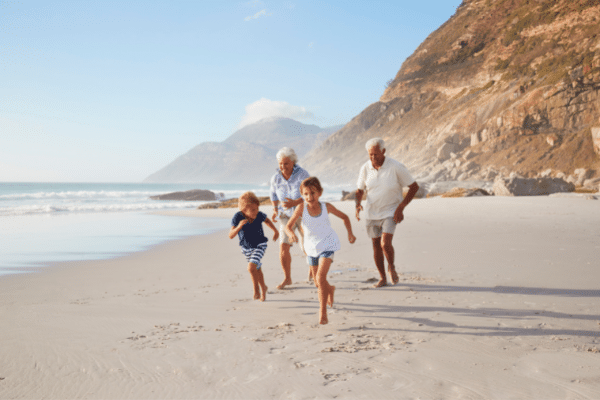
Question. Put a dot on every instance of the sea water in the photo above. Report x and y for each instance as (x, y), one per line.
(44, 223)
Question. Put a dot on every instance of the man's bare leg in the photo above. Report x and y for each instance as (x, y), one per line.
(379, 261)
(286, 264)
(388, 251)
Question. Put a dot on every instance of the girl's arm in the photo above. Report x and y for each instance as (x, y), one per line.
(292, 222)
(272, 226)
(235, 230)
(332, 210)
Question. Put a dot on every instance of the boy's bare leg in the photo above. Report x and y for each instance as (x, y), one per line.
(379, 261)
(261, 282)
(388, 251)
(286, 264)
(254, 276)
(325, 289)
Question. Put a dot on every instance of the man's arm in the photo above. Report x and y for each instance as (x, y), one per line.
(413, 188)
(358, 200)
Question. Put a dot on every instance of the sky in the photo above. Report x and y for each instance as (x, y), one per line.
(113, 91)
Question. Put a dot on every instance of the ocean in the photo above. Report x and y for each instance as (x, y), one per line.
(45, 223)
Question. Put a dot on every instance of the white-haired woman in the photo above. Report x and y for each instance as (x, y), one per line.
(285, 196)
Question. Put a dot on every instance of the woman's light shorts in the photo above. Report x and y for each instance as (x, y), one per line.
(315, 260)
(254, 255)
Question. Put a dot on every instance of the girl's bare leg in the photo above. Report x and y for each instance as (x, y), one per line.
(312, 270)
(325, 289)
(261, 282)
(254, 276)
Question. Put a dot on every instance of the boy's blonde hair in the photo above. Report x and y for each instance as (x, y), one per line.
(312, 182)
(248, 198)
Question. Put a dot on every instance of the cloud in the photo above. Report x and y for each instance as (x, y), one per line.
(265, 108)
(261, 13)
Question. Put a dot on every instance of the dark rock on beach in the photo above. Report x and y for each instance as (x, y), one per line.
(189, 195)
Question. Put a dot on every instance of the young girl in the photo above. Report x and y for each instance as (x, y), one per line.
(320, 240)
(247, 225)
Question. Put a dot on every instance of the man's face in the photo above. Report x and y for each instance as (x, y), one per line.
(377, 156)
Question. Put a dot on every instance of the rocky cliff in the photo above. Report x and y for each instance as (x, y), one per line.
(504, 86)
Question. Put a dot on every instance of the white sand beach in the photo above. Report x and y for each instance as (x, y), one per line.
(499, 299)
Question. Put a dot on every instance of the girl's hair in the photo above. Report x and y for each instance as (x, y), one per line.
(286, 152)
(248, 198)
(375, 142)
(312, 182)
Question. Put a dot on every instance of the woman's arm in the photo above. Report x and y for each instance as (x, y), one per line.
(292, 222)
(332, 210)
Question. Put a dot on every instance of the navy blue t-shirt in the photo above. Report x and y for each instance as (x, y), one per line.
(251, 234)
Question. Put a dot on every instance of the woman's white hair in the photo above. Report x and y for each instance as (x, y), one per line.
(375, 142)
(286, 152)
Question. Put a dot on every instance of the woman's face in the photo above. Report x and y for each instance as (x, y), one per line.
(286, 166)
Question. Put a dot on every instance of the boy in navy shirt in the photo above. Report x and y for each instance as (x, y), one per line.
(247, 225)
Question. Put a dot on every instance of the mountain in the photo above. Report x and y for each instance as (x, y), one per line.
(504, 86)
(247, 156)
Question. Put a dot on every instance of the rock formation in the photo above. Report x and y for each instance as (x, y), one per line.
(504, 86)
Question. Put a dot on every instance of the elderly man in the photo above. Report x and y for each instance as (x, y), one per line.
(383, 179)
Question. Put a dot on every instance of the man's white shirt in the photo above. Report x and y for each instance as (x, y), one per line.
(383, 187)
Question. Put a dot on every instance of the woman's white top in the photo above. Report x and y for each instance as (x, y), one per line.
(319, 236)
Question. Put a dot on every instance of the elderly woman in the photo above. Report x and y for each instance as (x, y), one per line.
(285, 196)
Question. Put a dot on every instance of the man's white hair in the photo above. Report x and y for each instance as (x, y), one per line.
(286, 152)
(375, 142)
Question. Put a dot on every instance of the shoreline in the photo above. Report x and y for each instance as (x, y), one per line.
(498, 299)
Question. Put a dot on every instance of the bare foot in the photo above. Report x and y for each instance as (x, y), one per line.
(330, 297)
(256, 296)
(381, 283)
(264, 294)
(323, 320)
(284, 284)
(394, 275)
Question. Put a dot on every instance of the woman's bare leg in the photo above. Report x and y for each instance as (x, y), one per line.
(286, 264)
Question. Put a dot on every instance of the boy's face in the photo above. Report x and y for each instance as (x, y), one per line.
(310, 194)
(250, 210)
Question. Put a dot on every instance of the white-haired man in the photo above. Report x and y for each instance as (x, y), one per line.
(383, 179)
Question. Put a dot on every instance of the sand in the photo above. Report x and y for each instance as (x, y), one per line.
(498, 299)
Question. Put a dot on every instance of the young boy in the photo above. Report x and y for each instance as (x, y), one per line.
(247, 225)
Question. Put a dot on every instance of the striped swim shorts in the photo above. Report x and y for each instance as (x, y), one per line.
(255, 254)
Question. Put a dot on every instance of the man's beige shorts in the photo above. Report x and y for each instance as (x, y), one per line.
(377, 227)
(283, 237)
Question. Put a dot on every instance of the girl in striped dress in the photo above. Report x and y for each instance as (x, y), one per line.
(320, 240)
(247, 225)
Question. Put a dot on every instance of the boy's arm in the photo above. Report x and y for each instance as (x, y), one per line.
(235, 230)
(292, 222)
(332, 210)
(272, 226)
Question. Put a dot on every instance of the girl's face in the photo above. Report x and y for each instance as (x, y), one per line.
(250, 210)
(310, 194)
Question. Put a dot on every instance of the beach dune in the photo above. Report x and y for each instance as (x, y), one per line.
(498, 299)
